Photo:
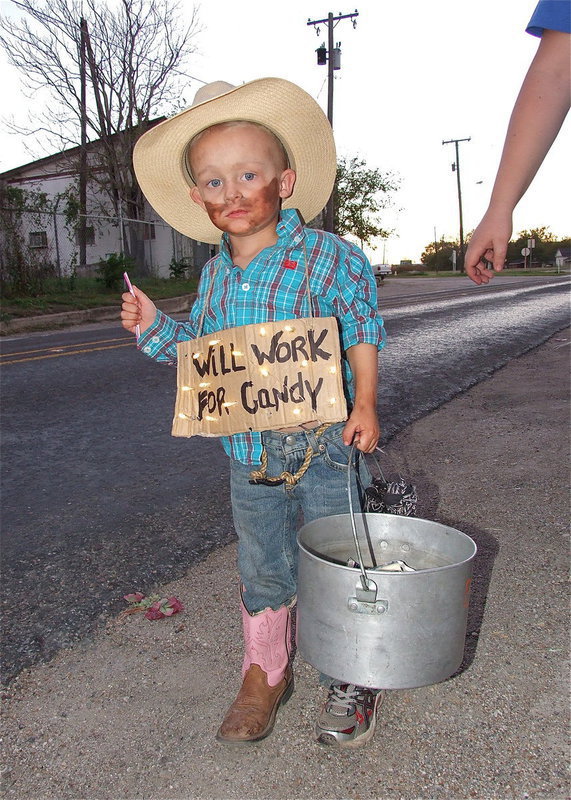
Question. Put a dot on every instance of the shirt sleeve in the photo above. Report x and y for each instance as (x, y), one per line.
(554, 15)
(356, 301)
(159, 341)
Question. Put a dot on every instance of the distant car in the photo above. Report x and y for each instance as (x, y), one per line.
(380, 270)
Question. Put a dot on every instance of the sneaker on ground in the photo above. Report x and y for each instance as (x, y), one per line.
(349, 715)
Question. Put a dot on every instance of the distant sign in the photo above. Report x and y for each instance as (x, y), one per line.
(260, 377)
(525, 251)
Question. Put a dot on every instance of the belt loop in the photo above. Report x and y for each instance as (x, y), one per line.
(261, 476)
(312, 440)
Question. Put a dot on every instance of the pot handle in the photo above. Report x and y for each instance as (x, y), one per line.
(368, 592)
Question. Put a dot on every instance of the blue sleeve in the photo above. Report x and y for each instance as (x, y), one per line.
(356, 301)
(160, 340)
(553, 15)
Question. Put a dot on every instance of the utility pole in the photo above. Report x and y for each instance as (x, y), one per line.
(114, 172)
(82, 221)
(331, 57)
(456, 167)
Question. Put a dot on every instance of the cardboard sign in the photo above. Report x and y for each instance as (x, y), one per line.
(260, 377)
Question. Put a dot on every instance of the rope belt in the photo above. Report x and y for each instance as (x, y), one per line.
(259, 476)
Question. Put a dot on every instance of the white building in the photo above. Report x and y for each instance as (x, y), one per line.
(51, 237)
(562, 257)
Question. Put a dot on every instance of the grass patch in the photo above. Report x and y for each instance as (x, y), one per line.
(60, 295)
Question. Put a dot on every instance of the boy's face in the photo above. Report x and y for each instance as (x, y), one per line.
(240, 178)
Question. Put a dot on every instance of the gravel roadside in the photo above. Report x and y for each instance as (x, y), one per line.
(133, 713)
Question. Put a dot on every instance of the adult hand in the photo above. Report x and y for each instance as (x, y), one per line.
(139, 310)
(489, 242)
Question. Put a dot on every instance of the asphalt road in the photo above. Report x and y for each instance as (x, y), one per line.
(99, 500)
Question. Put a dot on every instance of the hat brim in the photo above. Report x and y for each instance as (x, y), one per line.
(159, 156)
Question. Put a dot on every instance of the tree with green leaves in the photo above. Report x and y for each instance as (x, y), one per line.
(23, 268)
(546, 243)
(438, 255)
(361, 193)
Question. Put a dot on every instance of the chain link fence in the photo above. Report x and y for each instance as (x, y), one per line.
(35, 245)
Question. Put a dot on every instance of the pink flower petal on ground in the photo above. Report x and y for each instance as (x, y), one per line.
(154, 613)
(175, 604)
(135, 597)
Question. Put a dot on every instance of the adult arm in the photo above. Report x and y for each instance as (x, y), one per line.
(537, 116)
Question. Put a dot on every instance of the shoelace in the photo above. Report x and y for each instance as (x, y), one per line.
(341, 701)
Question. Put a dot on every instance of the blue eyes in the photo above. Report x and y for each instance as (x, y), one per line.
(216, 183)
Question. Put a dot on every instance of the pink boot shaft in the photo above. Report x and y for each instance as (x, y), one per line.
(266, 639)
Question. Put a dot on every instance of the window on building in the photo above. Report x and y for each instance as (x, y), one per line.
(38, 239)
(148, 231)
(89, 235)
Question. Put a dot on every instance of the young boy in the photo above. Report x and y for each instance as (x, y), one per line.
(242, 162)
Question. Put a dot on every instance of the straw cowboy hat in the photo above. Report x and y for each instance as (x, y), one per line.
(286, 110)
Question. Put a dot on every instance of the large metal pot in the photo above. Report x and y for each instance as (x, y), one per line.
(390, 630)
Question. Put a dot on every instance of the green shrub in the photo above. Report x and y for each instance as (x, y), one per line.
(111, 270)
(178, 269)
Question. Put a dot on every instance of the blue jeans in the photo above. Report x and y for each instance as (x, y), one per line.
(267, 518)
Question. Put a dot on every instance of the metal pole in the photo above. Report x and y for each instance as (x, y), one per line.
(531, 245)
(460, 206)
(121, 233)
(58, 260)
(330, 208)
(455, 142)
(329, 223)
(330, 68)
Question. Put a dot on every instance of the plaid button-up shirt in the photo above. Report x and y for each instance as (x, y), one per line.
(273, 287)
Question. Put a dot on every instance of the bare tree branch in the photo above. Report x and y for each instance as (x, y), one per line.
(138, 54)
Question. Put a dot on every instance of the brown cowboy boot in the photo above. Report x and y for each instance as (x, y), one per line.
(267, 677)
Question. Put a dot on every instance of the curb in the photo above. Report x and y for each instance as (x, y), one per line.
(170, 305)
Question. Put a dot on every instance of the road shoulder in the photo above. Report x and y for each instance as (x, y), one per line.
(133, 713)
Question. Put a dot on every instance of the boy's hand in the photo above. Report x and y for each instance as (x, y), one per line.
(362, 427)
(139, 310)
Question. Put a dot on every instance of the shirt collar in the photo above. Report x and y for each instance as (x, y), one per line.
(289, 229)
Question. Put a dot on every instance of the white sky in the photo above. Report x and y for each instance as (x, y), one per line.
(412, 74)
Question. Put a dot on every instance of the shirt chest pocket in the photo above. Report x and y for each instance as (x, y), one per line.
(284, 302)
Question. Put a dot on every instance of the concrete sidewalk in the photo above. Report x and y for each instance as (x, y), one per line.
(133, 713)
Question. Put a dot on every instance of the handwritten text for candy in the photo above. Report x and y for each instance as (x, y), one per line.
(260, 377)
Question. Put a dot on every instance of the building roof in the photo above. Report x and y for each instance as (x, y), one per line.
(12, 175)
